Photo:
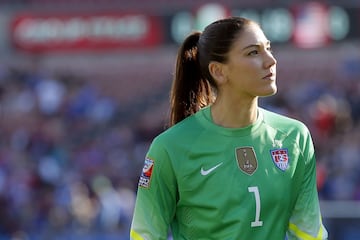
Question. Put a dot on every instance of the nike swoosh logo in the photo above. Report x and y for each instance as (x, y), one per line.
(206, 172)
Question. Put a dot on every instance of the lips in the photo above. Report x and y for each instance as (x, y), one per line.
(269, 76)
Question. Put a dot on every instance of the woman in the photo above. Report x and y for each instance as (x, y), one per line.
(226, 168)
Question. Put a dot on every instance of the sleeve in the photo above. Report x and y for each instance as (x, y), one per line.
(306, 221)
(156, 196)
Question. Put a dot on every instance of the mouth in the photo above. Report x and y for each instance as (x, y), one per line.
(270, 76)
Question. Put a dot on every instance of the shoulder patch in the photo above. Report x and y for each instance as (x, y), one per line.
(146, 173)
(280, 157)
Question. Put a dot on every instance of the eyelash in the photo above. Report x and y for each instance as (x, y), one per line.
(254, 52)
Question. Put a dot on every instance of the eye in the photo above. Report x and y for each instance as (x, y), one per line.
(253, 52)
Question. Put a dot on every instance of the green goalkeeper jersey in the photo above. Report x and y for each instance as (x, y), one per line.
(204, 181)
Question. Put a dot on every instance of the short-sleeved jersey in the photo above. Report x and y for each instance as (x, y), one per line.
(204, 181)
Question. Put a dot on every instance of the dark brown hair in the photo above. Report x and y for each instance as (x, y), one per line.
(193, 86)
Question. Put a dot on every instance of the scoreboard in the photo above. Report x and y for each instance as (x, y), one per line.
(305, 25)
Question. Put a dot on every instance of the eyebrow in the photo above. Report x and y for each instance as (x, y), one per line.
(257, 45)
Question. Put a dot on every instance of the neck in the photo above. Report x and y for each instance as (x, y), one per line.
(234, 115)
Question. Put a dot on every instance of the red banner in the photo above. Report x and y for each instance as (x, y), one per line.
(85, 32)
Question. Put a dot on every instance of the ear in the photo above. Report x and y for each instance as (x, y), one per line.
(216, 70)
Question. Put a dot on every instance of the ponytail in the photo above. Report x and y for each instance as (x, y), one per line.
(190, 91)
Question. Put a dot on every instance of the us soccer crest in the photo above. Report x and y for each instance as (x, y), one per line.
(246, 159)
(281, 158)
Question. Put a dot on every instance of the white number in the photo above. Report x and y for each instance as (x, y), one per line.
(257, 222)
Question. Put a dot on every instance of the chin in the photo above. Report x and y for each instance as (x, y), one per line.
(269, 92)
(274, 91)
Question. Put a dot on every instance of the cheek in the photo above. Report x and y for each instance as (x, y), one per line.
(250, 68)
(249, 75)
(245, 73)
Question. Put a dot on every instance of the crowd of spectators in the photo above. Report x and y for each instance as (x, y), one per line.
(69, 167)
(67, 170)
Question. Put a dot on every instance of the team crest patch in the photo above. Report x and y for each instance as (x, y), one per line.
(246, 159)
(146, 173)
(281, 158)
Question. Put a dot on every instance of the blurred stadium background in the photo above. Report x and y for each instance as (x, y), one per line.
(84, 88)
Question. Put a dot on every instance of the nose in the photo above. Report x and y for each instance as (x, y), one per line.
(270, 60)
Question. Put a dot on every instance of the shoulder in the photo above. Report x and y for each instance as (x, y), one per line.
(280, 120)
(292, 129)
(283, 123)
(184, 129)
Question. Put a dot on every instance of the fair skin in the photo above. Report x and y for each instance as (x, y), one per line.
(249, 73)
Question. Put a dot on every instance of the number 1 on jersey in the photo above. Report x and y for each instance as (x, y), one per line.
(257, 222)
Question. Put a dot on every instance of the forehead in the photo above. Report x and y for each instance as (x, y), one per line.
(251, 35)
